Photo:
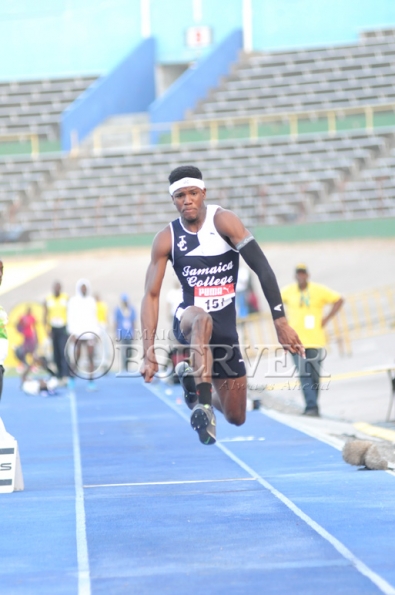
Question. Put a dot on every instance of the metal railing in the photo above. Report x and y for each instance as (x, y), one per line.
(214, 130)
(253, 127)
(32, 138)
(363, 315)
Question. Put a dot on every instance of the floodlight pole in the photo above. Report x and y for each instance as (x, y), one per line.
(145, 13)
(197, 10)
(247, 26)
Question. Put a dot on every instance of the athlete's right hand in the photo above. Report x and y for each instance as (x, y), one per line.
(149, 368)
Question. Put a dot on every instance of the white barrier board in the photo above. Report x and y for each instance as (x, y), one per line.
(11, 478)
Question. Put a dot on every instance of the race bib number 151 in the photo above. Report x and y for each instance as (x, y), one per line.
(214, 298)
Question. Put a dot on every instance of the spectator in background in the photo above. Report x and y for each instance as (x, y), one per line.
(83, 327)
(27, 327)
(246, 298)
(38, 384)
(3, 335)
(102, 318)
(305, 302)
(102, 312)
(125, 317)
(55, 321)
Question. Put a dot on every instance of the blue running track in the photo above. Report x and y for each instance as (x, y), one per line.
(121, 498)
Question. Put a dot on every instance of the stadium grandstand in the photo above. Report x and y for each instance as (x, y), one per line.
(33, 109)
(285, 137)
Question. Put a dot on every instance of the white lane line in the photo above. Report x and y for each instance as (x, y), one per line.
(376, 579)
(84, 580)
(168, 483)
(342, 549)
(242, 439)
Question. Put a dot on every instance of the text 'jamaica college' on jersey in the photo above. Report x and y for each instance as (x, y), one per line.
(207, 267)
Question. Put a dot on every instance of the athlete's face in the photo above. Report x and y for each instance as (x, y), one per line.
(189, 202)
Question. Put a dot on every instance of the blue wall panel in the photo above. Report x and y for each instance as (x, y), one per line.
(129, 88)
(195, 83)
(49, 38)
(280, 24)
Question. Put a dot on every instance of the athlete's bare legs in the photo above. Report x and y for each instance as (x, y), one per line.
(197, 326)
(90, 347)
(230, 395)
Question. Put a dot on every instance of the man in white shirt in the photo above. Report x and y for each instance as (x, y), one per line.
(83, 327)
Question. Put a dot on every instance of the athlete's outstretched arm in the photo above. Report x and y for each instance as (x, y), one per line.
(232, 229)
(161, 251)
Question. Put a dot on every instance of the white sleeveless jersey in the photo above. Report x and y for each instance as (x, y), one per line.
(207, 268)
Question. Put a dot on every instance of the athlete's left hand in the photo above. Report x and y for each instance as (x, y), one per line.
(288, 338)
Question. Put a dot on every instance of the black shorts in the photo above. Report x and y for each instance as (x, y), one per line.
(228, 361)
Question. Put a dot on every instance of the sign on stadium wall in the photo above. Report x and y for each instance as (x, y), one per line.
(198, 37)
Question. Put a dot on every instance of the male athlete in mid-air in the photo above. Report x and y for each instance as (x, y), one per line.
(203, 245)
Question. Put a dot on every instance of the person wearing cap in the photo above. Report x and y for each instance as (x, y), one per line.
(124, 318)
(305, 302)
(204, 244)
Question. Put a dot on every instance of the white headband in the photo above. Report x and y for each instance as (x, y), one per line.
(186, 182)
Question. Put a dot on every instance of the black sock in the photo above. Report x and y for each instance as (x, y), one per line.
(204, 393)
(188, 382)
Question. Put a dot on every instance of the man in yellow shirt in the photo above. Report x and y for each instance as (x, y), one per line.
(102, 319)
(55, 320)
(102, 312)
(305, 302)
